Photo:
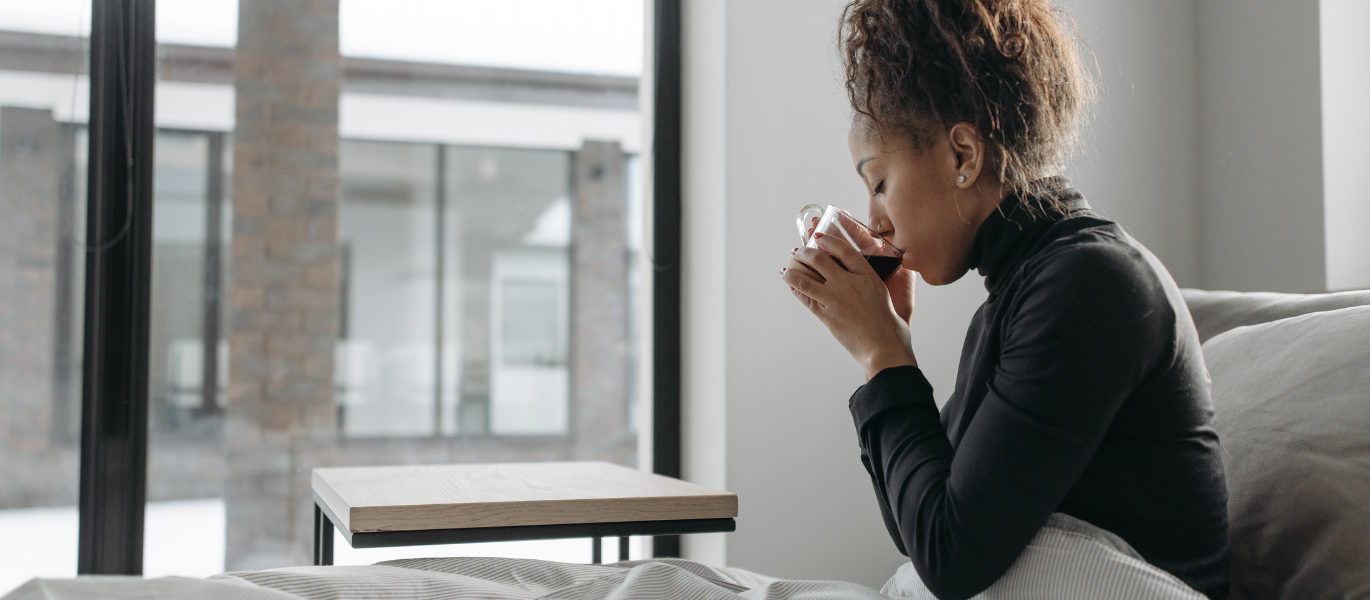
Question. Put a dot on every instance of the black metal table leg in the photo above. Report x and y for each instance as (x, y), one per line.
(596, 555)
(327, 541)
(318, 516)
(622, 548)
(323, 538)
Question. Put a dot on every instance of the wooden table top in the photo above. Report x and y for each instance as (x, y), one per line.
(414, 498)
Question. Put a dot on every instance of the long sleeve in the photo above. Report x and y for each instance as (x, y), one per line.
(907, 389)
(1075, 343)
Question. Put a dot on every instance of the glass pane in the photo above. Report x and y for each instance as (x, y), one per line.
(43, 107)
(188, 356)
(192, 280)
(389, 351)
(532, 322)
(513, 216)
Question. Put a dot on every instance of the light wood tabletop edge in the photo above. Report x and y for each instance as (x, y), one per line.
(330, 497)
(715, 503)
(724, 507)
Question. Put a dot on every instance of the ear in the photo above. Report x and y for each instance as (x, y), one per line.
(969, 150)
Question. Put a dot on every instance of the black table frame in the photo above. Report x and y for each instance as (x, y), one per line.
(325, 521)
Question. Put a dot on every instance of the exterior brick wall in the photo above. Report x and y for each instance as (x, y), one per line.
(599, 305)
(33, 470)
(280, 418)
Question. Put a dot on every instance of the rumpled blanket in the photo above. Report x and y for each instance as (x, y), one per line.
(1067, 560)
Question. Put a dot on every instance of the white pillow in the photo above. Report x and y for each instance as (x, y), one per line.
(1292, 410)
(1215, 312)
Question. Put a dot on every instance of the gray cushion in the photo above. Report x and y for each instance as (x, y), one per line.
(1216, 312)
(1292, 408)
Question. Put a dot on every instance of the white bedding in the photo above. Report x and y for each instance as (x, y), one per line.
(1068, 560)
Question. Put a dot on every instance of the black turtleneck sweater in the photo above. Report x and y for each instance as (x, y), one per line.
(1081, 390)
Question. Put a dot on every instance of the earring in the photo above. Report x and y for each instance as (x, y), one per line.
(962, 179)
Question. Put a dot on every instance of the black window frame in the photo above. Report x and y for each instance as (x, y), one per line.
(666, 249)
(118, 288)
(114, 426)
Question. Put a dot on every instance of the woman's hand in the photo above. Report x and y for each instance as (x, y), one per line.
(855, 305)
(900, 285)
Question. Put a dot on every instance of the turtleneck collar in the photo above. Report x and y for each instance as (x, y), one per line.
(1011, 233)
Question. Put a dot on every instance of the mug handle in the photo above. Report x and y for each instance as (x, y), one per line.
(805, 221)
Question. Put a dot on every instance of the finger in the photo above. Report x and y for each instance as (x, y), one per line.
(811, 304)
(846, 253)
(802, 269)
(901, 289)
(805, 285)
(901, 281)
(814, 306)
(820, 261)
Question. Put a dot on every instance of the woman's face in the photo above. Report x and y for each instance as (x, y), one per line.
(916, 201)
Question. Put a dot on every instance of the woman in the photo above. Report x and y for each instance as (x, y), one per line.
(1081, 387)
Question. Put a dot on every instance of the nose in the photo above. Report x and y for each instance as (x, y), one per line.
(879, 221)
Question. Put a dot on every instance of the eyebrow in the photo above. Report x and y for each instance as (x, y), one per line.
(860, 164)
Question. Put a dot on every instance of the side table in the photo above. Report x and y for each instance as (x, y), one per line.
(379, 507)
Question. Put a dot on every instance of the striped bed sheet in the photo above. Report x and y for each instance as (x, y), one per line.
(1068, 560)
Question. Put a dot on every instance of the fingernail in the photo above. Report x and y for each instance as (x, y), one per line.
(791, 289)
(818, 236)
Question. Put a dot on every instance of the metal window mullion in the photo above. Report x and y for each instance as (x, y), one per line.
(439, 282)
(666, 249)
(213, 275)
(114, 385)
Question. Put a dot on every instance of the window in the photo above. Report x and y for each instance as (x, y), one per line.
(420, 280)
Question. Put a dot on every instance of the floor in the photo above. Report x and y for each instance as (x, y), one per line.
(187, 538)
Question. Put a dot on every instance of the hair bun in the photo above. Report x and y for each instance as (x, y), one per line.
(1010, 68)
(1013, 45)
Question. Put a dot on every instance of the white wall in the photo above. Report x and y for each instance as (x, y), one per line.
(1260, 149)
(1230, 138)
(1345, 51)
(1140, 160)
(766, 387)
(704, 355)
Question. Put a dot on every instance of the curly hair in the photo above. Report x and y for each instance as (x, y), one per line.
(1009, 67)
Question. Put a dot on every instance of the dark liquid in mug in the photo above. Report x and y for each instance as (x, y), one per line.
(884, 265)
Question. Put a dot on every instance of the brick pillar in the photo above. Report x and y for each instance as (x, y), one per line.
(280, 418)
(30, 163)
(599, 305)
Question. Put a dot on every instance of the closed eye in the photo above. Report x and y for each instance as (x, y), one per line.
(879, 188)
